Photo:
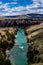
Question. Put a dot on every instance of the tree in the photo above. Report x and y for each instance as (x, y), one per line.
(1, 59)
(7, 62)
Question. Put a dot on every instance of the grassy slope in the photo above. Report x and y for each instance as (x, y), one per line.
(34, 30)
(35, 33)
(38, 64)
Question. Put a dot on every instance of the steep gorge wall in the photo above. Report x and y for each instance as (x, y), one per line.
(17, 22)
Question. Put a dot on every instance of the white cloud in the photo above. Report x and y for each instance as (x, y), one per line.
(13, 3)
(32, 8)
(0, 2)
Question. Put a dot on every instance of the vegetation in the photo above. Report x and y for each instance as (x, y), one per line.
(35, 51)
(3, 61)
(34, 36)
(6, 42)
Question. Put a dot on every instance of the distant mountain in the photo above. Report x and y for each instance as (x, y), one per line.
(27, 16)
(36, 15)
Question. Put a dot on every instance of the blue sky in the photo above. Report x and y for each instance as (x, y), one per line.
(19, 7)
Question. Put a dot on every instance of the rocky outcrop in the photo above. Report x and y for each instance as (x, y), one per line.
(17, 22)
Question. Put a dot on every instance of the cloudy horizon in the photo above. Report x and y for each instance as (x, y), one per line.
(19, 7)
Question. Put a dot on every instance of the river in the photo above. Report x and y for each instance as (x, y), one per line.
(18, 52)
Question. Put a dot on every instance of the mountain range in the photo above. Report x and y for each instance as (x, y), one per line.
(27, 16)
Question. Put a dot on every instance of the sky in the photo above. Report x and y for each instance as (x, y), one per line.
(20, 7)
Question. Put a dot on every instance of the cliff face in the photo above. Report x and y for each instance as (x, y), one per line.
(23, 22)
(34, 36)
(20, 20)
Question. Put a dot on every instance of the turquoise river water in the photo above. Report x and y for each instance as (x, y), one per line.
(19, 51)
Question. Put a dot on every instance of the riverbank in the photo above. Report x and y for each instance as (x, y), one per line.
(34, 36)
(33, 32)
(7, 37)
(37, 64)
